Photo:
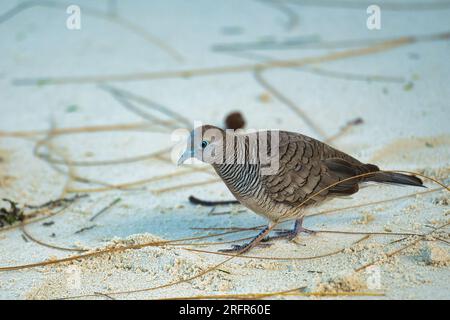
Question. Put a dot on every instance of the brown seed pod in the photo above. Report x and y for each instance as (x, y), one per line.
(234, 121)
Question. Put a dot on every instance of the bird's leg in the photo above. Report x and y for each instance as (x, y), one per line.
(291, 234)
(247, 246)
(299, 227)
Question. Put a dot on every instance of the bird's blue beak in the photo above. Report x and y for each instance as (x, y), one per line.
(187, 154)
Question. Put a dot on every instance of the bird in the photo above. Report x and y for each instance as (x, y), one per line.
(307, 173)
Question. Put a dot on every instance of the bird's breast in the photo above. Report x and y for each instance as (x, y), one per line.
(242, 179)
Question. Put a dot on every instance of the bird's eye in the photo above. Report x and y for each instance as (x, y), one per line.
(204, 144)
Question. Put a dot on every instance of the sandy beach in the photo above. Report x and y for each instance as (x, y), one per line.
(88, 123)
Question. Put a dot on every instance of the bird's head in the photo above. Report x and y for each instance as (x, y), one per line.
(204, 143)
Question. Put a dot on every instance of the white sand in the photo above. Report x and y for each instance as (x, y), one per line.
(406, 126)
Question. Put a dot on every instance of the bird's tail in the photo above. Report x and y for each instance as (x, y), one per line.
(392, 177)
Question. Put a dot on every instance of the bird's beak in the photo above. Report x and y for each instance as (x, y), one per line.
(186, 155)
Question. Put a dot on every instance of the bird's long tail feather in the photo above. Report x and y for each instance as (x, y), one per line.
(396, 178)
(391, 177)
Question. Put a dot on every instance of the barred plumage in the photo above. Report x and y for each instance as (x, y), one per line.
(309, 171)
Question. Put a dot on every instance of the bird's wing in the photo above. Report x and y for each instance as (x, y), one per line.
(307, 166)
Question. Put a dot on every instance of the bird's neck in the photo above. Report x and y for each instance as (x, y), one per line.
(237, 150)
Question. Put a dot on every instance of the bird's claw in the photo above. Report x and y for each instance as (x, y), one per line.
(288, 234)
(235, 248)
(311, 232)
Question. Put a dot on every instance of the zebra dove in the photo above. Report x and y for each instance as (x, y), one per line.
(307, 172)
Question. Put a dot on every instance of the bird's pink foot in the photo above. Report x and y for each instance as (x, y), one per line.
(290, 234)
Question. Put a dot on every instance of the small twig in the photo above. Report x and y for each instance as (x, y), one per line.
(334, 56)
(224, 271)
(257, 72)
(31, 218)
(370, 233)
(85, 229)
(134, 184)
(57, 203)
(392, 253)
(123, 94)
(52, 160)
(386, 5)
(443, 240)
(225, 212)
(346, 128)
(294, 292)
(105, 209)
(109, 250)
(181, 186)
(373, 203)
(278, 258)
(206, 203)
(48, 245)
(116, 19)
(292, 17)
(354, 76)
(132, 108)
(228, 228)
(104, 295)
